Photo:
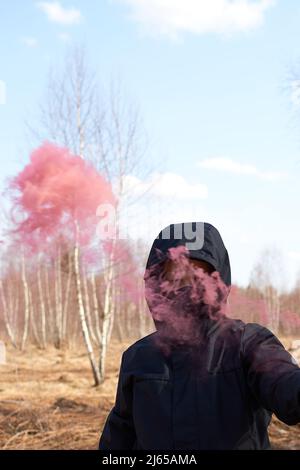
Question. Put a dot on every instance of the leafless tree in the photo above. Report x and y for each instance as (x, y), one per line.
(268, 277)
(102, 127)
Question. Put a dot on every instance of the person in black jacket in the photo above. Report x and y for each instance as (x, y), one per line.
(201, 381)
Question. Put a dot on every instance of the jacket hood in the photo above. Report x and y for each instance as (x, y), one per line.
(201, 240)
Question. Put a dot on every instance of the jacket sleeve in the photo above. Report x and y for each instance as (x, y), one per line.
(118, 432)
(272, 373)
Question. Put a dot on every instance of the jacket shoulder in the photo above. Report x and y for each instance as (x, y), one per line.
(144, 356)
(143, 344)
(256, 331)
(146, 341)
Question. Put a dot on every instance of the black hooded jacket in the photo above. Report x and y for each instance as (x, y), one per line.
(222, 400)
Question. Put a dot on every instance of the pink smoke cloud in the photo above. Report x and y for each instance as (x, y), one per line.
(54, 190)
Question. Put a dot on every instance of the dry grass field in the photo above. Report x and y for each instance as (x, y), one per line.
(47, 401)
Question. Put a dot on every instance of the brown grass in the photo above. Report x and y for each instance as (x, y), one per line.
(47, 401)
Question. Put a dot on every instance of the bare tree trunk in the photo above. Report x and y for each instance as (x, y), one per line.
(96, 309)
(107, 315)
(82, 316)
(26, 303)
(67, 296)
(10, 333)
(112, 310)
(272, 300)
(118, 322)
(42, 304)
(14, 308)
(111, 322)
(58, 300)
(87, 306)
(276, 311)
(32, 321)
(51, 321)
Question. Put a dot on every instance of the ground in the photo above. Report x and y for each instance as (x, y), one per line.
(47, 401)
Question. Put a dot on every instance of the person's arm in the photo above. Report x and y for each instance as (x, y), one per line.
(272, 373)
(118, 432)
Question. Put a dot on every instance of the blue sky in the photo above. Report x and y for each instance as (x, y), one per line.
(213, 83)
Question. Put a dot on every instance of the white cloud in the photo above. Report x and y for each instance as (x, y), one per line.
(231, 166)
(145, 220)
(29, 41)
(157, 201)
(168, 185)
(58, 14)
(171, 17)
